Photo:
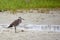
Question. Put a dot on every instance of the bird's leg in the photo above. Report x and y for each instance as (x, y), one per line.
(15, 29)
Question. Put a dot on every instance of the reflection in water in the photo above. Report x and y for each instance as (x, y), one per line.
(55, 28)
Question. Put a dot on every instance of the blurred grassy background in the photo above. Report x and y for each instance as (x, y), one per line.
(28, 4)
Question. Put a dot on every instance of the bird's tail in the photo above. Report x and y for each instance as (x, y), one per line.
(9, 26)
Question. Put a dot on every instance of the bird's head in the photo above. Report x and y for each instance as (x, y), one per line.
(20, 18)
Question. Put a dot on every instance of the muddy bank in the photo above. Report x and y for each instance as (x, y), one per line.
(52, 17)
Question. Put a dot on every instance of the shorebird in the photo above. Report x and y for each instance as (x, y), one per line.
(16, 23)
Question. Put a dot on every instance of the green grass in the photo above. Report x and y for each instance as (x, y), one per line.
(22, 4)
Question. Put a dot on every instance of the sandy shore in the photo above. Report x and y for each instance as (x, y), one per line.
(29, 35)
(51, 18)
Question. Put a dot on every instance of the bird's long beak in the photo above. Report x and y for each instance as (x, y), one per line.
(22, 19)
